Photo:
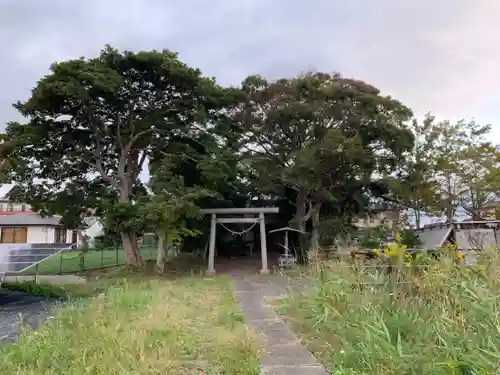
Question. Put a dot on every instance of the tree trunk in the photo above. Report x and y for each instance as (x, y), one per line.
(475, 205)
(129, 238)
(83, 250)
(449, 200)
(132, 254)
(161, 254)
(83, 239)
(313, 252)
(417, 209)
(300, 217)
(81, 259)
(300, 204)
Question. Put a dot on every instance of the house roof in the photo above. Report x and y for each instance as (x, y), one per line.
(433, 239)
(89, 221)
(384, 206)
(489, 205)
(29, 220)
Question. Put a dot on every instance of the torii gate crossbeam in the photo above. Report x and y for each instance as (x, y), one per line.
(259, 213)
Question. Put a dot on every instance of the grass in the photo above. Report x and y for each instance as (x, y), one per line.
(64, 292)
(441, 319)
(186, 326)
(38, 289)
(69, 261)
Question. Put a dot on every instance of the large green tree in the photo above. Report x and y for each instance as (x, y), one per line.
(96, 121)
(322, 135)
(461, 148)
(479, 177)
(201, 171)
(7, 159)
(414, 183)
(168, 208)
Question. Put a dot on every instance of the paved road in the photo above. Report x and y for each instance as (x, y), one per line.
(16, 307)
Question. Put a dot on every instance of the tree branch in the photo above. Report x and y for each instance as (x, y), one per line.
(98, 165)
(136, 137)
(311, 210)
(138, 168)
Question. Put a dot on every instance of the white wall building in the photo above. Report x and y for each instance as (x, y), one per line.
(93, 228)
(9, 207)
(32, 228)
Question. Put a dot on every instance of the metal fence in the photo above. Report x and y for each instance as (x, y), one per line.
(357, 269)
(77, 260)
(369, 274)
(469, 256)
(73, 261)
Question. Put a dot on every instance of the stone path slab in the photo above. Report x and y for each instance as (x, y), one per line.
(282, 354)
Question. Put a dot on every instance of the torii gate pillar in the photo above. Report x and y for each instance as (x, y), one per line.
(263, 244)
(211, 249)
(260, 211)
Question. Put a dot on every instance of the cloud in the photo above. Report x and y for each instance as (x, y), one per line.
(440, 56)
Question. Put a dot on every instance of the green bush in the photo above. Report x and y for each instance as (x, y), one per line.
(410, 239)
(373, 238)
(106, 241)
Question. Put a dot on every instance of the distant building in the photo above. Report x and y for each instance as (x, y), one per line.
(387, 215)
(32, 228)
(37, 229)
(92, 228)
(8, 207)
(488, 211)
(468, 236)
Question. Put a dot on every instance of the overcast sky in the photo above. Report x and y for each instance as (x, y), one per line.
(440, 56)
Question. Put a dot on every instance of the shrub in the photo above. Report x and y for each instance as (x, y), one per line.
(410, 239)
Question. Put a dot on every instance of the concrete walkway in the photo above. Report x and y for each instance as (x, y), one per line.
(282, 353)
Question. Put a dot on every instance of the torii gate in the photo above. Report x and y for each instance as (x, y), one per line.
(259, 213)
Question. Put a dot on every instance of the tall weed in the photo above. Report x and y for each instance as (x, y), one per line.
(419, 316)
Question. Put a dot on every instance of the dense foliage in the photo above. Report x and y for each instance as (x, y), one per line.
(329, 145)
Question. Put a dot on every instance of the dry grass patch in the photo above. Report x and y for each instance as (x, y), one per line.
(440, 320)
(154, 327)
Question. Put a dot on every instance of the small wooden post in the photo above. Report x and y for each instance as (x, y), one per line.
(287, 251)
(211, 249)
(263, 244)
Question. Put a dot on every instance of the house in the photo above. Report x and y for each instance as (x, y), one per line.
(53, 229)
(8, 207)
(488, 211)
(32, 228)
(384, 214)
(92, 229)
(468, 236)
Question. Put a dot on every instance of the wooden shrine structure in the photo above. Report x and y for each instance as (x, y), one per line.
(249, 215)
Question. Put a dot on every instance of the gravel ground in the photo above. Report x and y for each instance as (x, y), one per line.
(17, 309)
